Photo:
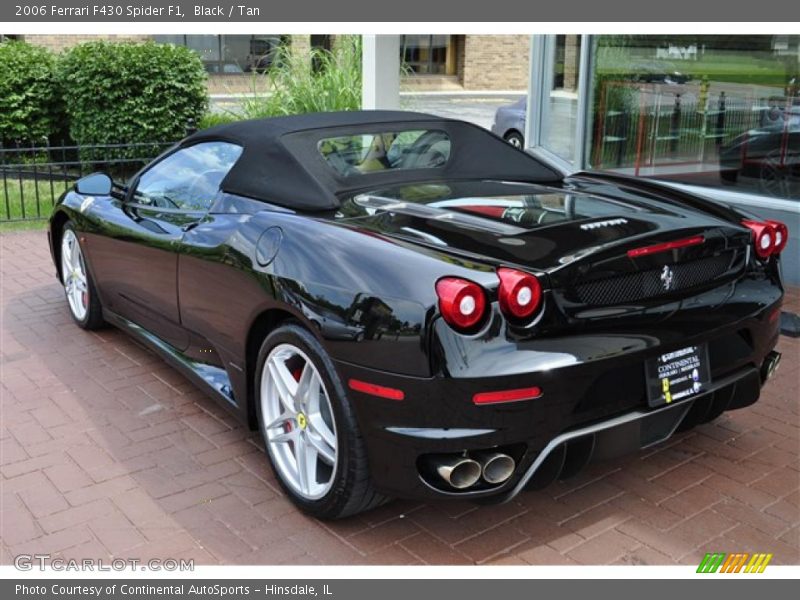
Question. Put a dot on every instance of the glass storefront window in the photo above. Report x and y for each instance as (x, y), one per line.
(230, 54)
(427, 54)
(709, 110)
(207, 46)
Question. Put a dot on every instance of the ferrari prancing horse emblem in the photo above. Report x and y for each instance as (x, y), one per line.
(666, 278)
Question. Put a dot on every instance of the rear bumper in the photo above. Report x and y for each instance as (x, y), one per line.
(588, 408)
(640, 429)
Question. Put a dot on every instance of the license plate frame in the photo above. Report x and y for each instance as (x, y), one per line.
(677, 375)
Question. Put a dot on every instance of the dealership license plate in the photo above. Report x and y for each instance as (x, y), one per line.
(677, 375)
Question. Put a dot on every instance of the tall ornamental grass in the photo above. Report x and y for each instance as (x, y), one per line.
(299, 82)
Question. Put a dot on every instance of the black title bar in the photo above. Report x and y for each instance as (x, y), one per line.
(185, 11)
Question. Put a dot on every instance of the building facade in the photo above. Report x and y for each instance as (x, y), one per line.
(429, 62)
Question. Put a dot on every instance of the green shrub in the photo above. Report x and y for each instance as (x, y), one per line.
(295, 88)
(126, 92)
(29, 100)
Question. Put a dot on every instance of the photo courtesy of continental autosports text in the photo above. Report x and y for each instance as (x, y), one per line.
(307, 299)
(178, 590)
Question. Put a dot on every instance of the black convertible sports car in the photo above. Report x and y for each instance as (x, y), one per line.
(406, 305)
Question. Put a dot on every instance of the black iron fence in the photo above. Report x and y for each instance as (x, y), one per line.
(32, 177)
(650, 126)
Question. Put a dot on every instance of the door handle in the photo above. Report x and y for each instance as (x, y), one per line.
(189, 226)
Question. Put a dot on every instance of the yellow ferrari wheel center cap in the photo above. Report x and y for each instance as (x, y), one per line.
(301, 420)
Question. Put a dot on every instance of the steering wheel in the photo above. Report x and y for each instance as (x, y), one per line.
(433, 158)
(155, 200)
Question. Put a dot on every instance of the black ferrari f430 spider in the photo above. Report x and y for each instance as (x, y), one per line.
(406, 305)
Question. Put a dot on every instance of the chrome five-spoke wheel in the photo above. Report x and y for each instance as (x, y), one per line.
(73, 275)
(299, 425)
(309, 427)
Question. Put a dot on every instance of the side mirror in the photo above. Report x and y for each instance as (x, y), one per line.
(96, 184)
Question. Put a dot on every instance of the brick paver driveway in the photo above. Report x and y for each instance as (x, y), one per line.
(107, 452)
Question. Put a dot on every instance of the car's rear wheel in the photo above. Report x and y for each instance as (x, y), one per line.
(775, 177)
(84, 304)
(516, 139)
(309, 428)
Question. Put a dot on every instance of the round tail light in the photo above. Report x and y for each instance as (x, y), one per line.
(520, 293)
(764, 235)
(461, 302)
(781, 236)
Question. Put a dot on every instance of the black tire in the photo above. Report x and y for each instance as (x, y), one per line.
(93, 319)
(515, 138)
(352, 491)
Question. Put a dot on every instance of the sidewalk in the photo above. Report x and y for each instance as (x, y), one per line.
(105, 451)
(476, 107)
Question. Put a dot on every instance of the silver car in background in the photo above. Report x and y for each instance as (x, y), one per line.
(509, 123)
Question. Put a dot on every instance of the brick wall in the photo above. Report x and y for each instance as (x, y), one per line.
(300, 43)
(495, 62)
(571, 61)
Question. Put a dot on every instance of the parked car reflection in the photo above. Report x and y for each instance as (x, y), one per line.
(770, 154)
(656, 72)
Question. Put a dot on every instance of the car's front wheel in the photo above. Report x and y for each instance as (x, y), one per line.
(84, 304)
(309, 428)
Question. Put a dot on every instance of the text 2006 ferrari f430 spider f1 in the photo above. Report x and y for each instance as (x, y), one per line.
(408, 306)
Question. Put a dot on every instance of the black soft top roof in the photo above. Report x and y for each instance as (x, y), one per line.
(280, 162)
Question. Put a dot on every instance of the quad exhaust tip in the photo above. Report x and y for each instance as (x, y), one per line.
(771, 364)
(496, 467)
(460, 471)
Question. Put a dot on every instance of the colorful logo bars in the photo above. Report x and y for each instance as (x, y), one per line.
(737, 562)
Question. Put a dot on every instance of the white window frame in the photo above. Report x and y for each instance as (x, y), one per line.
(542, 54)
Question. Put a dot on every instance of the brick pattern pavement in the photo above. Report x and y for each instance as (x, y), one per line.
(106, 452)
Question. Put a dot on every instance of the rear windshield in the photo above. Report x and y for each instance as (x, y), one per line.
(388, 150)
